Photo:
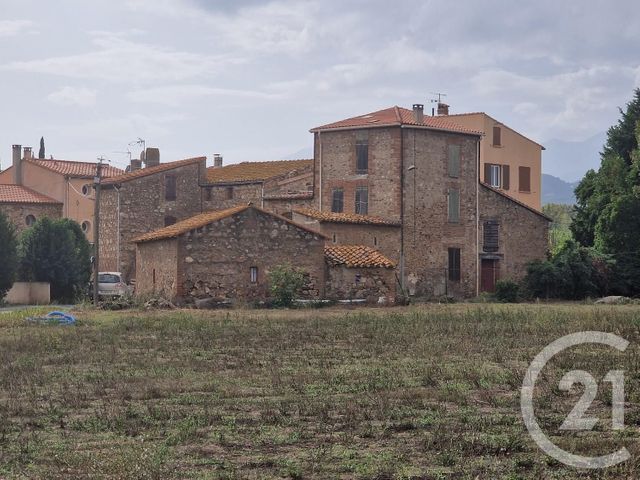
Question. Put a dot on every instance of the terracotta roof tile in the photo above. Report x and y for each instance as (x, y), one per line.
(290, 196)
(75, 169)
(345, 217)
(356, 256)
(20, 194)
(255, 171)
(396, 116)
(198, 221)
(143, 172)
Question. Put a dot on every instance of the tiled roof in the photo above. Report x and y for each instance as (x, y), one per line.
(356, 256)
(396, 116)
(522, 204)
(198, 221)
(74, 169)
(20, 194)
(290, 196)
(255, 171)
(143, 172)
(345, 217)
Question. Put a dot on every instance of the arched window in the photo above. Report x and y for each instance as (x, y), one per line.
(30, 220)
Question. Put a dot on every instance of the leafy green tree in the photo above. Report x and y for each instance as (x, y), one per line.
(41, 152)
(57, 252)
(8, 255)
(560, 228)
(285, 281)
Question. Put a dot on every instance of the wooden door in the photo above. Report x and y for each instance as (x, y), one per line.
(488, 275)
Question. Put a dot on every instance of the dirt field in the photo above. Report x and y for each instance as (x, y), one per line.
(414, 392)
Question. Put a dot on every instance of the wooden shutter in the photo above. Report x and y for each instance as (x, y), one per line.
(497, 140)
(454, 205)
(505, 177)
(524, 179)
(454, 161)
(170, 187)
(487, 173)
(490, 231)
(454, 264)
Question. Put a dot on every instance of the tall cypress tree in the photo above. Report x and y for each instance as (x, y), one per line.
(41, 152)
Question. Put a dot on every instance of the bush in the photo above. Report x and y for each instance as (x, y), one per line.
(285, 281)
(8, 255)
(507, 291)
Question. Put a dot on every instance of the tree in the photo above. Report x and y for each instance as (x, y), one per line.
(560, 228)
(8, 255)
(57, 252)
(285, 281)
(41, 153)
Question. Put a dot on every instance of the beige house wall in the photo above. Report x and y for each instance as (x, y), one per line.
(515, 150)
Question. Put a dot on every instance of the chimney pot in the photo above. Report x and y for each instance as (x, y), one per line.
(418, 112)
(136, 164)
(17, 164)
(217, 160)
(28, 154)
(443, 109)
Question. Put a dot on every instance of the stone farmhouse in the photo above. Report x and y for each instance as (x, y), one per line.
(24, 206)
(67, 183)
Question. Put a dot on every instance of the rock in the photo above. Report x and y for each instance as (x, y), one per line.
(211, 302)
(613, 300)
(189, 259)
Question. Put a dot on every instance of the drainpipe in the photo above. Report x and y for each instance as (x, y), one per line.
(402, 275)
(478, 217)
(320, 172)
(118, 228)
(262, 195)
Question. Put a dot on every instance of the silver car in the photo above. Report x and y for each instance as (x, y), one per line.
(111, 284)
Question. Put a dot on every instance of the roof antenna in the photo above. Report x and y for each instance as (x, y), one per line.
(438, 101)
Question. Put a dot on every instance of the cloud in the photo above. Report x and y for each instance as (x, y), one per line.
(178, 95)
(10, 28)
(73, 96)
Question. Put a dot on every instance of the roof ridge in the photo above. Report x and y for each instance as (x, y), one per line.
(396, 110)
(143, 172)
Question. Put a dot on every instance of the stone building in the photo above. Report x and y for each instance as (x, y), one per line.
(227, 254)
(145, 200)
(69, 183)
(422, 173)
(359, 272)
(24, 206)
(276, 185)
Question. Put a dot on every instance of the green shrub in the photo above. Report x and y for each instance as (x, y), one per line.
(285, 281)
(8, 255)
(507, 291)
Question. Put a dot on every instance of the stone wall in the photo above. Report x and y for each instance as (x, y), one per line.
(157, 268)
(18, 212)
(523, 235)
(142, 208)
(223, 196)
(369, 284)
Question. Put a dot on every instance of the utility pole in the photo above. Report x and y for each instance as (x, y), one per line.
(96, 229)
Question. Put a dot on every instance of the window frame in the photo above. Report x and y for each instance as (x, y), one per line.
(253, 274)
(337, 196)
(495, 173)
(362, 152)
(362, 206)
(491, 231)
(454, 269)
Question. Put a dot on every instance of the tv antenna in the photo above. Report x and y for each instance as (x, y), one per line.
(128, 152)
(139, 141)
(440, 95)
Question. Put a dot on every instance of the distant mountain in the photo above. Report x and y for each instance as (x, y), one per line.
(571, 160)
(300, 154)
(556, 190)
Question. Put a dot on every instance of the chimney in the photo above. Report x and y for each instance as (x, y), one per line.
(151, 157)
(418, 112)
(28, 154)
(135, 165)
(17, 164)
(217, 160)
(443, 109)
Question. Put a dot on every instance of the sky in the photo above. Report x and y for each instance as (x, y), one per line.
(248, 78)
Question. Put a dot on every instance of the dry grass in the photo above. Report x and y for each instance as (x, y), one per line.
(415, 392)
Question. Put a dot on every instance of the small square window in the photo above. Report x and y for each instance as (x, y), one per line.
(358, 278)
(253, 273)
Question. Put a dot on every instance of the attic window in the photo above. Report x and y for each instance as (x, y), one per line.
(497, 134)
(170, 187)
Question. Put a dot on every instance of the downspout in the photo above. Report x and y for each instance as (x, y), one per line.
(320, 171)
(118, 228)
(478, 216)
(262, 195)
(402, 275)
(66, 198)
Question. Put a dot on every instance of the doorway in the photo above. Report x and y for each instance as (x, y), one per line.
(488, 275)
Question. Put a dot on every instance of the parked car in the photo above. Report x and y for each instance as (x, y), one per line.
(111, 284)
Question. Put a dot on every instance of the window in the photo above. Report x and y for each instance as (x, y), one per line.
(454, 161)
(362, 200)
(362, 151)
(497, 134)
(86, 226)
(375, 241)
(229, 193)
(490, 231)
(337, 200)
(86, 189)
(169, 220)
(496, 175)
(253, 273)
(208, 194)
(454, 264)
(30, 220)
(524, 179)
(358, 278)
(494, 179)
(169, 187)
(454, 205)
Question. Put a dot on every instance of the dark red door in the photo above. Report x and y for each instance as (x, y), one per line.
(488, 275)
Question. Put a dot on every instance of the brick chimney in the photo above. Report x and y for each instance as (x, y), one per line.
(151, 157)
(28, 153)
(217, 160)
(17, 164)
(443, 109)
(136, 164)
(418, 112)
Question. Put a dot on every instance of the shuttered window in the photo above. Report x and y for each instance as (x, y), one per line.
(497, 136)
(228, 193)
(454, 205)
(524, 179)
(454, 161)
(505, 177)
(362, 152)
(169, 187)
(454, 264)
(362, 200)
(337, 200)
(490, 231)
